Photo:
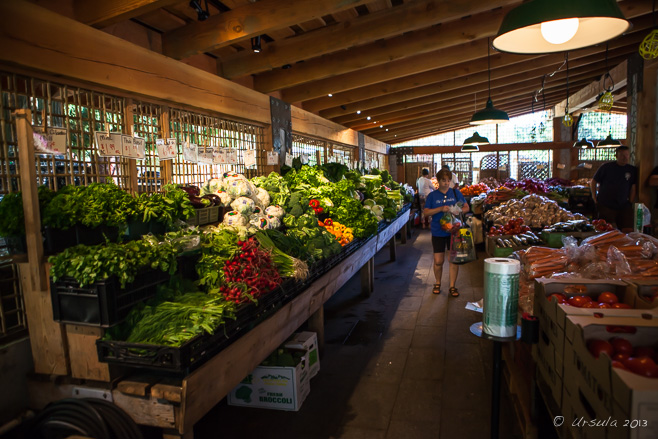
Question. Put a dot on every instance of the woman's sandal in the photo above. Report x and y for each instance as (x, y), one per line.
(454, 292)
(436, 289)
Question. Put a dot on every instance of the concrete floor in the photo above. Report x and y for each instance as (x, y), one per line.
(399, 364)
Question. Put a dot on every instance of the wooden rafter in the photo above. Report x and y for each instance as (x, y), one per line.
(361, 30)
(244, 22)
(102, 13)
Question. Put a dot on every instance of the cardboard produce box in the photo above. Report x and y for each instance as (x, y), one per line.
(601, 392)
(549, 366)
(646, 293)
(307, 341)
(272, 387)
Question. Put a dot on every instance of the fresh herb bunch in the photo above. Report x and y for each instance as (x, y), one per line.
(178, 313)
(88, 264)
(217, 247)
(12, 216)
(166, 208)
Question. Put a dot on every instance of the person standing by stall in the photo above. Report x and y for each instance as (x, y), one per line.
(614, 188)
(425, 187)
(652, 181)
(437, 204)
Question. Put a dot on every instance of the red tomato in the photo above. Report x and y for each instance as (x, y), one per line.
(590, 305)
(588, 299)
(603, 305)
(642, 366)
(620, 305)
(608, 297)
(619, 356)
(597, 346)
(559, 297)
(644, 351)
(622, 346)
(618, 364)
(578, 301)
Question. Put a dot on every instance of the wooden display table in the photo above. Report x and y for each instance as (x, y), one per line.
(177, 404)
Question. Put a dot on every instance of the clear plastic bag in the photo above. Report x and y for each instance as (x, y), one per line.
(462, 248)
(618, 262)
(450, 223)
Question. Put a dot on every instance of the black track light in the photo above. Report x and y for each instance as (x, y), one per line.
(255, 44)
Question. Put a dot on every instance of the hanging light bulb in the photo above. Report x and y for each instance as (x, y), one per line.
(489, 114)
(559, 31)
(583, 143)
(608, 142)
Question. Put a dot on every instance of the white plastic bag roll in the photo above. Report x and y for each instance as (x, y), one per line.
(501, 296)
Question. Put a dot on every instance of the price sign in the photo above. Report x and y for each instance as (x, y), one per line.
(127, 146)
(232, 157)
(139, 148)
(51, 142)
(304, 159)
(190, 152)
(205, 156)
(166, 148)
(272, 158)
(249, 158)
(219, 156)
(109, 144)
(289, 160)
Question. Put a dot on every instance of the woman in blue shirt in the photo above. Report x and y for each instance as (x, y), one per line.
(437, 203)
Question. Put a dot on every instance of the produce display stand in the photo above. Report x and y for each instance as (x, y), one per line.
(65, 356)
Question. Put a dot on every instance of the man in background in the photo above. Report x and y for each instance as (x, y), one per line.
(455, 180)
(653, 182)
(425, 186)
(614, 188)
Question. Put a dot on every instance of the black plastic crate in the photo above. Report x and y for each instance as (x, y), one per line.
(192, 354)
(103, 303)
(58, 240)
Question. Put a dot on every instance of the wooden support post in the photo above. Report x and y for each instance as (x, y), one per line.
(316, 324)
(403, 233)
(392, 249)
(318, 157)
(166, 166)
(46, 336)
(129, 118)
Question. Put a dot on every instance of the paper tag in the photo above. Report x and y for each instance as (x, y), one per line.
(289, 160)
(561, 166)
(127, 146)
(190, 152)
(231, 157)
(109, 145)
(304, 159)
(541, 166)
(206, 156)
(166, 148)
(249, 157)
(273, 158)
(219, 156)
(51, 142)
(139, 148)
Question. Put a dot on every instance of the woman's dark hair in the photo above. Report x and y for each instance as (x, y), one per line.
(443, 174)
(425, 171)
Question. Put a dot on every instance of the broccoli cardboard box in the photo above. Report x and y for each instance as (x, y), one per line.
(307, 341)
(274, 387)
(623, 403)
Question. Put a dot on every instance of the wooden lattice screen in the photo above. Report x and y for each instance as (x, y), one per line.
(309, 146)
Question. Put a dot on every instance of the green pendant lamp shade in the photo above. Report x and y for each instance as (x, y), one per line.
(608, 142)
(545, 26)
(584, 143)
(471, 143)
(489, 114)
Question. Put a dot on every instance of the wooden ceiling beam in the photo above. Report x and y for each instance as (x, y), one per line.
(525, 82)
(462, 115)
(103, 13)
(458, 75)
(381, 52)
(361, 30)
(425, 62)
(246, 21)
(466, 86)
